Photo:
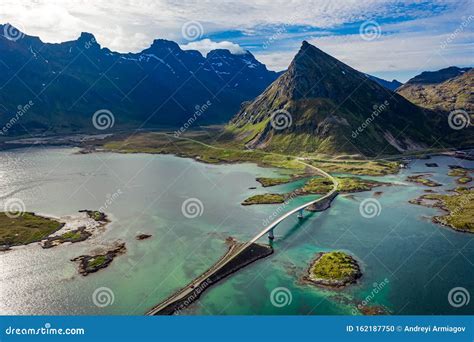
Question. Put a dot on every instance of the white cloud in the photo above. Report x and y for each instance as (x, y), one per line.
(206, 45)
(116, 24)
(132, 25)
(406, 48)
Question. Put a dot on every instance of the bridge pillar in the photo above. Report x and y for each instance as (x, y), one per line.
(270, 234)
(300, 213)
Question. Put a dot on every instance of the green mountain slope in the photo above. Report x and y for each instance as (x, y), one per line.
(447, 89)
(321, 105)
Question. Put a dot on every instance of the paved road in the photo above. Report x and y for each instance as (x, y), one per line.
(188, 290)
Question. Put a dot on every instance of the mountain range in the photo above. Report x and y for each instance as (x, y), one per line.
(323, 105)
(162, 85)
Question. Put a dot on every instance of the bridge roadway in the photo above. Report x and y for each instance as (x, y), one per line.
(238, 249)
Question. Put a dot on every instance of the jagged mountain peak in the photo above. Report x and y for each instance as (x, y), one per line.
(325, 101)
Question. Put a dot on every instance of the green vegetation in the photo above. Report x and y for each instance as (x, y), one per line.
(93, 263)
(460, 208)
(334, 268)
(264, 199)
(95, 215)
(73, 236)
(462, 173)
(423, 180)
(201, 147)
(453, 93)
(317, 185)
(26, 228)
(321, 185)
(97, 261)
(464, 180)
(266, 182)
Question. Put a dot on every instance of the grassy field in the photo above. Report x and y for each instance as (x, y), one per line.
(25, 229)
(460, 208)
(206, 149)
(264, 199)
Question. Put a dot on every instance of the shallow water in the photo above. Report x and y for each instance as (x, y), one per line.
(417, 261)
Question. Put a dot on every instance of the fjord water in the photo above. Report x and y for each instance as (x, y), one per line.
(417, 261)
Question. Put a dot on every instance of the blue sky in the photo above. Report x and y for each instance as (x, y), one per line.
(386, 38)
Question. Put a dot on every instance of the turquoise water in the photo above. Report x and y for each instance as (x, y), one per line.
(418, 262)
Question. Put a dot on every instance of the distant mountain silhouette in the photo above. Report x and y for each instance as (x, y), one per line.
(390, 85)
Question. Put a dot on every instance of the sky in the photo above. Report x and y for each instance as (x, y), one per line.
(386, 38)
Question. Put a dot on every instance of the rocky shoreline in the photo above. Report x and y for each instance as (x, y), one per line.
(95, 262)
(77, 228)
(457, 206)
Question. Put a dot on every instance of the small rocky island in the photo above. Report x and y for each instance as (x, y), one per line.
(333, 270)
(423, 180)
(462, 174)
(77, 228)
(143, 236)
(314, 186)
(95, 262)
